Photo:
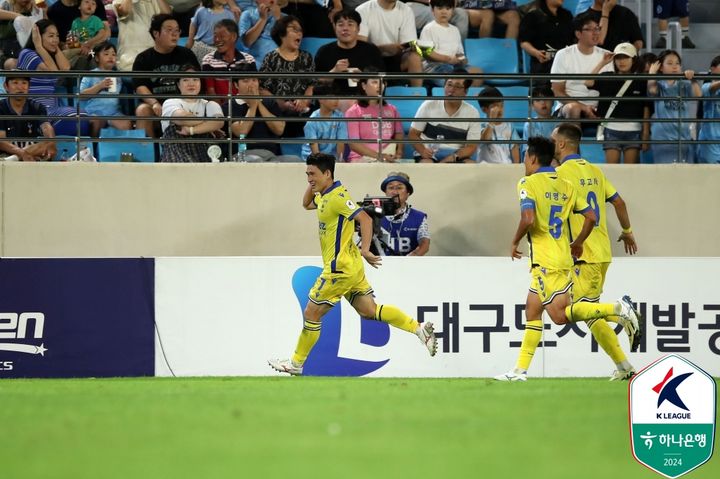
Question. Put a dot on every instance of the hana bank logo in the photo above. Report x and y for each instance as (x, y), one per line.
(324, 359)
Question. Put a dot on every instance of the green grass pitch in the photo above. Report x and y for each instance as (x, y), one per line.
(282, 427)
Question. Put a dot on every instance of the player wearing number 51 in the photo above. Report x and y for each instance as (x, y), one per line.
(546, 202)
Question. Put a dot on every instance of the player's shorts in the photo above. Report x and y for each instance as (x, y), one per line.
(588, 280)
(665, 9)
(330, 288)
(548, 283)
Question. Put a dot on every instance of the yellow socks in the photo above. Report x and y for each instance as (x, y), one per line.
(531, 339)
(607, 339)
(308, 337)
(583, 311)
(394, 316)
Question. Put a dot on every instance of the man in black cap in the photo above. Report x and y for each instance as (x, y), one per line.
(406, 233)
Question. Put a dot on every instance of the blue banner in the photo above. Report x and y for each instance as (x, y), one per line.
(77, 317)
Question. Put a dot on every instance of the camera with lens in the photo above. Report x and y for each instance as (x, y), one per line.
(377, 207)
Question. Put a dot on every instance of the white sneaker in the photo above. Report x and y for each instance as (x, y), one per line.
(426, 333)
(511, 376)
(622, 374)
(11, 158)
(630, 321)
(285, 366)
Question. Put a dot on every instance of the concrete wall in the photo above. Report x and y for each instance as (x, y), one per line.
(95, 210)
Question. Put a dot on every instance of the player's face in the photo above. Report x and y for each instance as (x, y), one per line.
(531, 164)
(318, 180)
(396, 188)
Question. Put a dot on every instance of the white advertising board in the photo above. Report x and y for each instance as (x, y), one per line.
(227, 316)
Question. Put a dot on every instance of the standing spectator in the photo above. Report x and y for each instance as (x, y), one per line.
(618, 24)
(287, 57)
(90, 31)
(543, 32)
(406, 233)
(390, 25)
(710, 153)
(666, 9)
(496, 132)
(347, 54)
(202, 26)
(482, 16)
(440, 135)
(668, 106)
(164, 56)
(63, 12)
(24, 150)
(579, 58)
(134, 17)
(448, 53)
(42, 52)
(423, 15)
(314, 15)
(10, 44)
(333, 127)
(386, 128)
(190, 117)
(256, 25)
(224, 59)
(104, 100)
(542, 110)
(624, 62)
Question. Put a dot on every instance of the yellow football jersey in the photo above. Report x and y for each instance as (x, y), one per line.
(553, 200)
(591, 184)
(335, 211)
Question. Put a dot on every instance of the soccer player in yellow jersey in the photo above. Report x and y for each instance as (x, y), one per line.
(546, 203)
(343, 273)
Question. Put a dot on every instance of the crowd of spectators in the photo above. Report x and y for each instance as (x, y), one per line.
(411, 37)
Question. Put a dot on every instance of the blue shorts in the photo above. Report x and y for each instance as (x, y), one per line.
(618, 135)
(670, 153)
(438, 67)
(665, 9)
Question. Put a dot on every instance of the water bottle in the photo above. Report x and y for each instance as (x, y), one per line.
(436, 146)
(242, 148)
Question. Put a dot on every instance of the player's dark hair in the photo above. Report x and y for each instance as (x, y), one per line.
(323, 161)
(442, 3)
(347, 14)
(488, 92)
(542, 148)
(570, 131)
(279, 30)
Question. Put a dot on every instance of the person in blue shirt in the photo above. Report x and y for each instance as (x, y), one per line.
(406, 233)
(673, 102)
(256, 23)
(542, 110)
(332, 128)
(710, 153)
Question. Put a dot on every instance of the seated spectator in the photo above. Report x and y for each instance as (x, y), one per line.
(134, 18)
(669, 106)
(190, 117)
(333, 126)
(438, 134)
(390, 25)
(624, 62)
(314, 15)
(406, 233)
(63, 12)
(22, 127)
(165, 56)
(42, 52)
(287, 57)
(10, 44)
(448, 53)
(618, 24)
(224, 59)
(667, 9)
(386, 127)
(543, 32)
(483, 14)
(496, 132)
(202, 26)
(423, 15)
(89, 31)
(579, 58)
(255, 26)
(104, 100)
(542, 110)
(710, 153)
(254, 119)
(347, 54)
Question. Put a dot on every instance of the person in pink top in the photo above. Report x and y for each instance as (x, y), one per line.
(387, 129)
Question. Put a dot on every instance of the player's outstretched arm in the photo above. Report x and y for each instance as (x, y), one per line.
(623, 217)
(308, 198)
(366, 233)
(527, 218)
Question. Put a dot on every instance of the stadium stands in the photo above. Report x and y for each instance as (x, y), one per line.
(494, 55)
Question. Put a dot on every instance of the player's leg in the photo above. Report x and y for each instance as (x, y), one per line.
(531, 339)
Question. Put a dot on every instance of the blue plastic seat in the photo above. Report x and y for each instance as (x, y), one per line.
(494, 55)
(313, 44)
(67, 146)
(593, 152)
(143, 152)
(407, 108)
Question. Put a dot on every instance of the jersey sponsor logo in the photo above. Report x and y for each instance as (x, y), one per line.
(14, 326)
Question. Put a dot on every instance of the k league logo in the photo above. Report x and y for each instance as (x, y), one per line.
(672, 416)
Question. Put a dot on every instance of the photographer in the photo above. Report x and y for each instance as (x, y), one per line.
(406, 233)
